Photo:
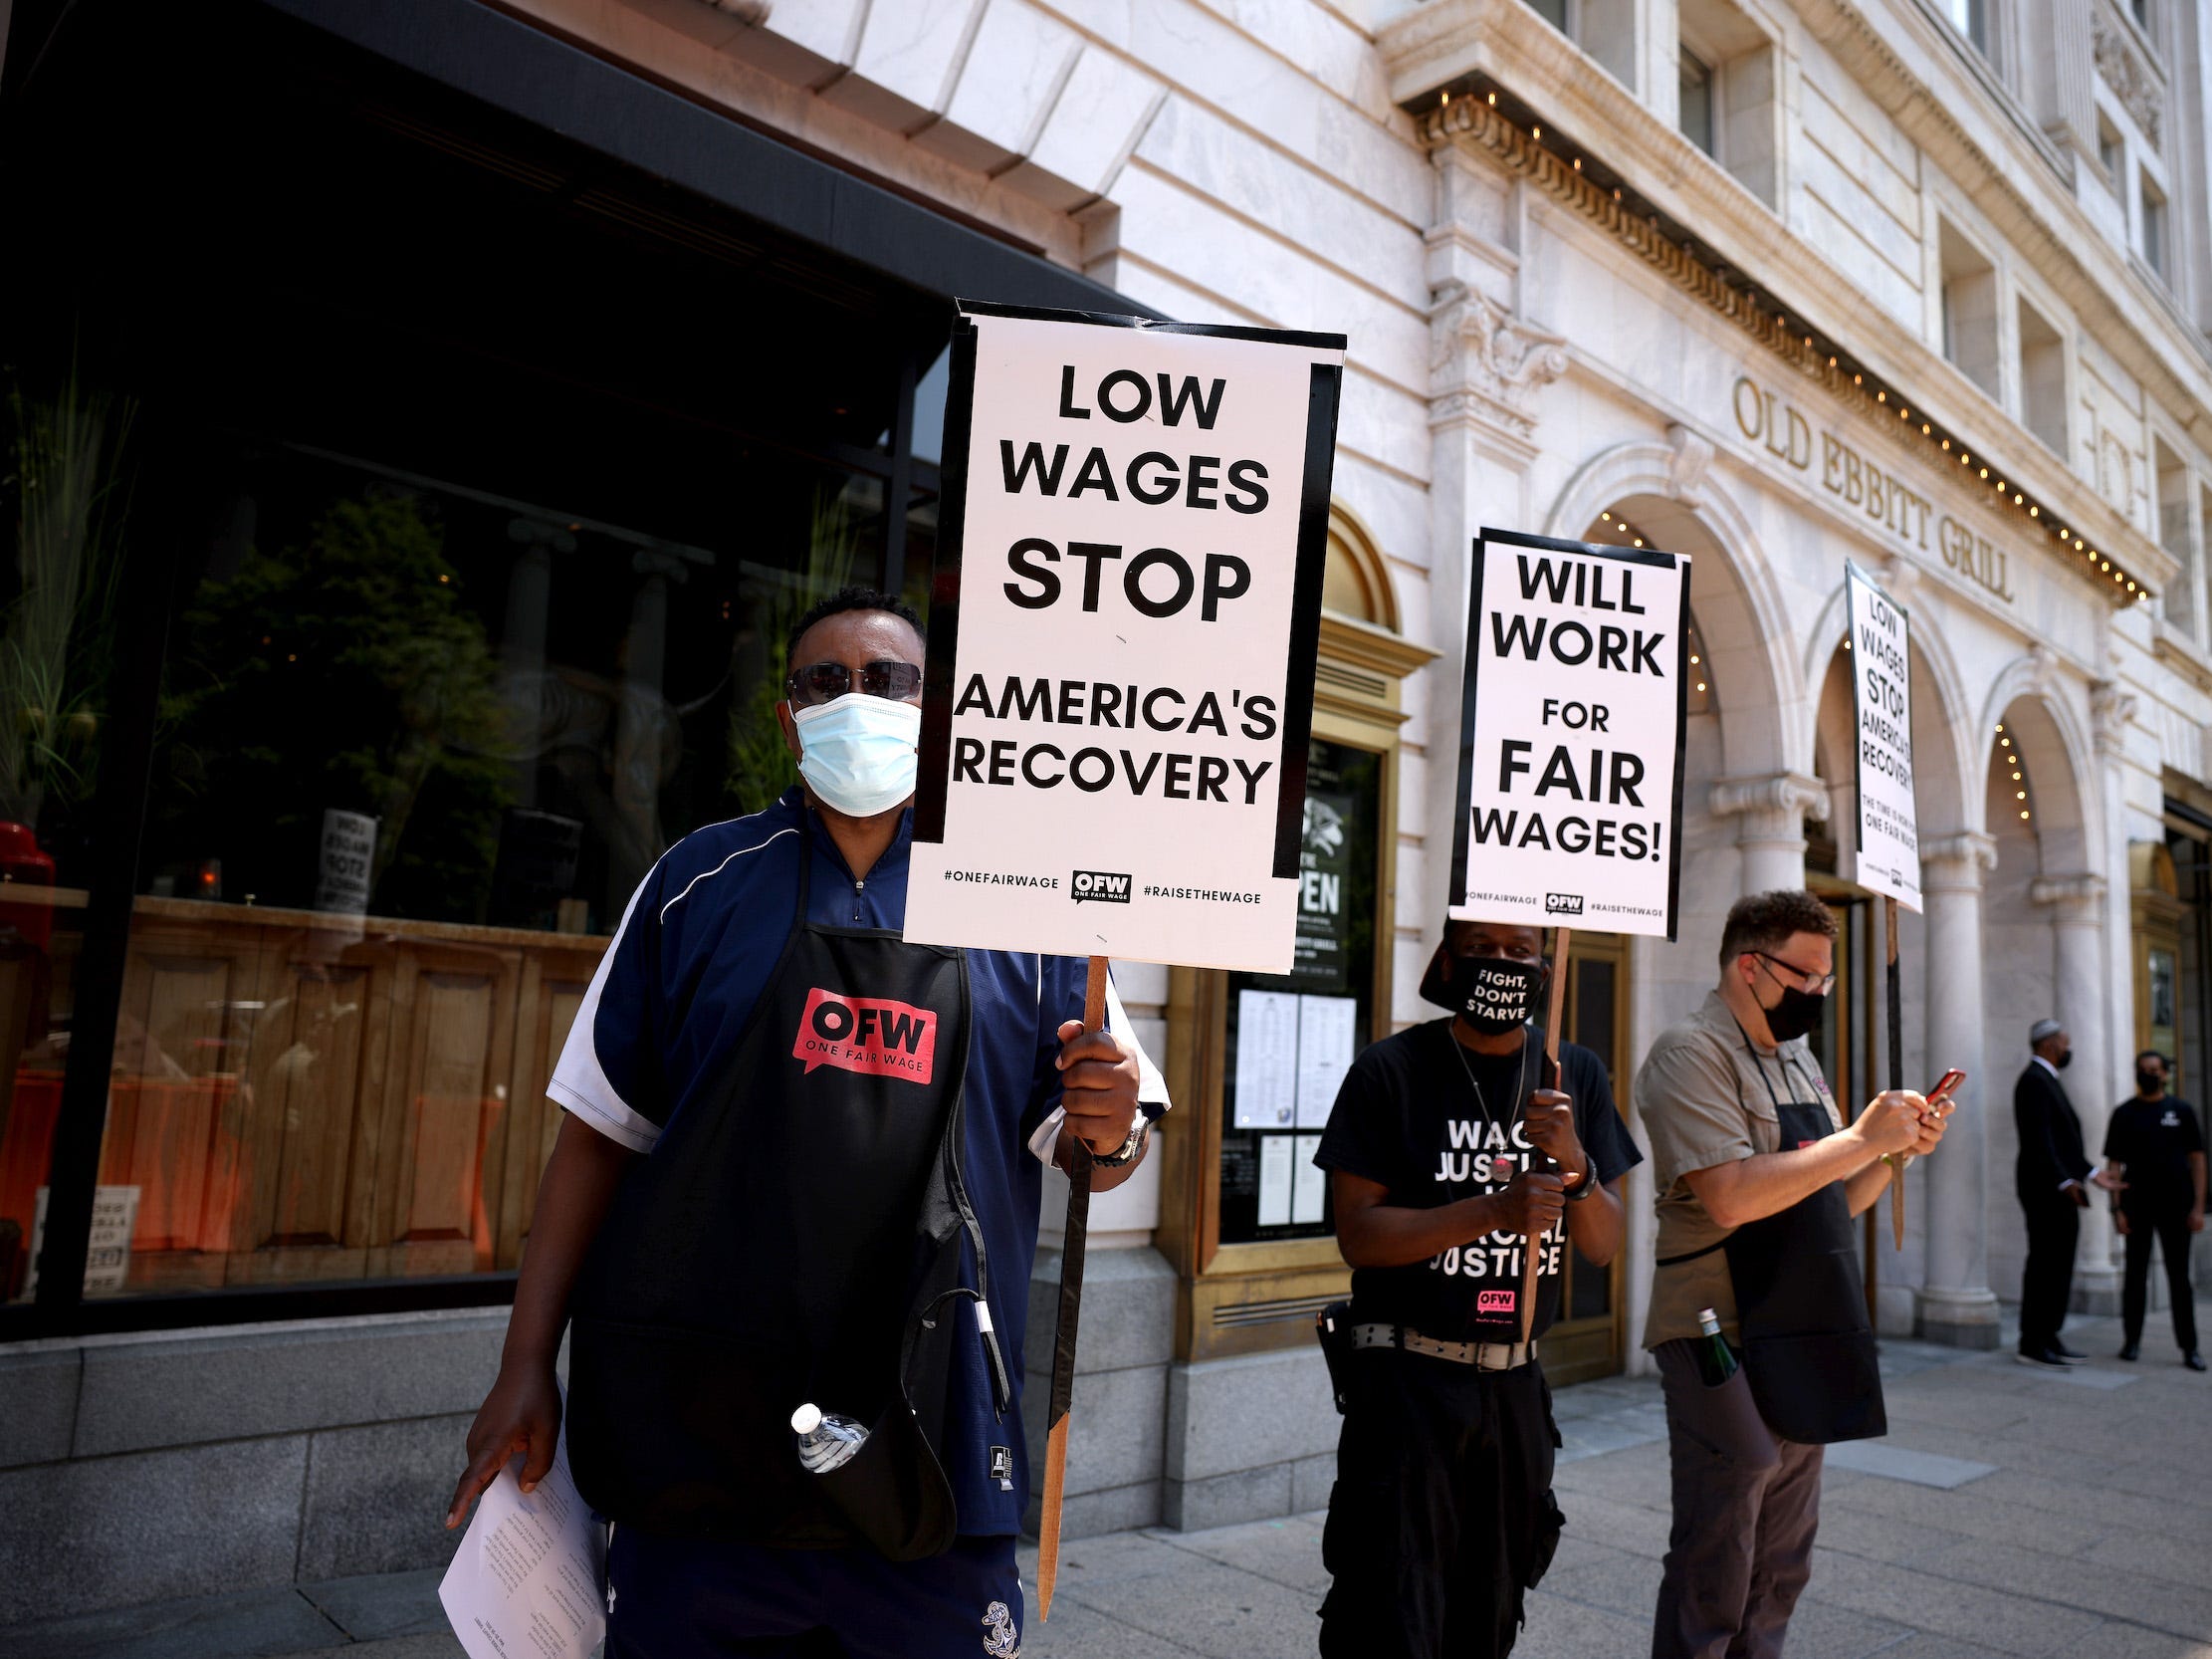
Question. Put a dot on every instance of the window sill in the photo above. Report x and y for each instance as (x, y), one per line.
(2183, 651)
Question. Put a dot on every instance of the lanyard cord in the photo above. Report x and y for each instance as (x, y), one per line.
(1490, 1119)
(1783, 1062)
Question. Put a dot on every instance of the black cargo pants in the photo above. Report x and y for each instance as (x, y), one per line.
(1441, 1516)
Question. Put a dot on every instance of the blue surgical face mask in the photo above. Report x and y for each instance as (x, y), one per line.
(857, 753)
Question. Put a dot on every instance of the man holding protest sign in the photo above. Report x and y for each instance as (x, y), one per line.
(1568, 802)
(1128, 599)
(1442, 1515)
(1757, 1179)
(778, 1109)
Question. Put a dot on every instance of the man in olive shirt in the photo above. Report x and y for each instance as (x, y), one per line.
(1756, 1176)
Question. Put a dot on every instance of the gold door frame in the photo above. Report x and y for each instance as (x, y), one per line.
(1259, 1297)
(1575, 1350)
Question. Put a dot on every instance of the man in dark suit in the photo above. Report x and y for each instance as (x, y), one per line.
(2052, 1177)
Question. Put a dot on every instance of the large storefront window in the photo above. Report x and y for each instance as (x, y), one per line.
(474, 486)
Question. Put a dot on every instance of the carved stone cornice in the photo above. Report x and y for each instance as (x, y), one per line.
(1685, 469)
(1794, 795)
(1900, 578)
(2133, 84)
(1440, 41)
(2111, 712)
(2073, 900)
(1484, 362)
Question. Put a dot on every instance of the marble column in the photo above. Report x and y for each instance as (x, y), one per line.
(2077, 907)
(1771, 833)
(1956, 1304)
(1486, 365)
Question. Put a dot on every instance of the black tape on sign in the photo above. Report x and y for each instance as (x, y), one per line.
(934, 770)
(1323, 390)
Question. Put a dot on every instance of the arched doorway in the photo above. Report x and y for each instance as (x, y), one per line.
(2042, 945)
(1939, 1008)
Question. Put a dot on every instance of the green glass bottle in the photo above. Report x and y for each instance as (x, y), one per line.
(1716, 1361)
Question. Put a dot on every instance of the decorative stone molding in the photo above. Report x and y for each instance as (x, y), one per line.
(1685, 472)
(1793, 795)
(2073, 900)
(2111, 712)
(1956, 864)
(2132, 82)
(2043, 664)
(1484, 362)
(1900, 578)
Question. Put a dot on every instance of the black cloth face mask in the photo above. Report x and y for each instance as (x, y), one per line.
(2149, 1083)
(1493, 994)
(1797, 1013)
(2064, 1060)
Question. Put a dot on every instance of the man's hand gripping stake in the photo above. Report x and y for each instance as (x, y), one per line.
(1532, 1254)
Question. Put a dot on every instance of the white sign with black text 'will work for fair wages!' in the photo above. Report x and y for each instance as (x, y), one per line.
(1571, 735)
(1889, 839)
(1123, 627)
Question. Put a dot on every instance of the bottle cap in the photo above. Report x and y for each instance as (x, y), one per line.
(807, 1419)
(1706, 1317)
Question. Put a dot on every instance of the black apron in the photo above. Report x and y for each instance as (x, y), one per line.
(794, 1236)
(1809, 1350)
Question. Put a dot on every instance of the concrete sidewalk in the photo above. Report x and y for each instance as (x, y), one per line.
(2008, 1511)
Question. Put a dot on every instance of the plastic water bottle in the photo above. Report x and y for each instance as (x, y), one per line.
(1716, 1361)
(825, 1443)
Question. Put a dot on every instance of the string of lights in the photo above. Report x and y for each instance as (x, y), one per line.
(1616, 531)
(2009, 757)
(1517, 140)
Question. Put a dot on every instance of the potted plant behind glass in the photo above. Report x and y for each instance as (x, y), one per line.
(68, 500)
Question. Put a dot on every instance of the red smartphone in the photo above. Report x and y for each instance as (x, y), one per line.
(1951, 1079)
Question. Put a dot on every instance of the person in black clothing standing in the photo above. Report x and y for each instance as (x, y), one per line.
(1443, 1515)
(2052, 1177)
(2155, 1148)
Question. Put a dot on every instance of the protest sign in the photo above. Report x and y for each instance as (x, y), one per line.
(1123, 629)
(1887, 840)
(1571, 735)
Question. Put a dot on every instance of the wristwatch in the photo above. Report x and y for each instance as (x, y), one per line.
(1583, 1188)
(1129, 1148)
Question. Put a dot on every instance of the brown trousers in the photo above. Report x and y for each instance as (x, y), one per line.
(1746, 1507)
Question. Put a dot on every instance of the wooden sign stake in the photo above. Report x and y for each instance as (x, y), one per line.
(1071, 1312)
(1532, 1254)
(1897, 1075)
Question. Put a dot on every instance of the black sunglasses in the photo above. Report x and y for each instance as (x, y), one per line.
(1804, 979)
(824, 682)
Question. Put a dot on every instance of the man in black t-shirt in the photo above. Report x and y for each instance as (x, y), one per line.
(1443, 1515)
(2155, 1143)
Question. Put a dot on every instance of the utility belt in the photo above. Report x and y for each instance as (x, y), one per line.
(1341, 1338)
(1483, 1356)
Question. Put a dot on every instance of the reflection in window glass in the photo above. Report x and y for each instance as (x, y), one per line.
(421, 744)
(67, 465)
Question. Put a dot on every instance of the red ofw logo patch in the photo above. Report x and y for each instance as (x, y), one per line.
(874, 1036)
(1496, 1302)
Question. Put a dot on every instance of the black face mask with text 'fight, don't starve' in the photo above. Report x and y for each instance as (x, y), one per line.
(1493, 994)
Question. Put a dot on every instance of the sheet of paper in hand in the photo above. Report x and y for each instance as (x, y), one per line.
(1123, 624)
(527, 1581)
(1888, 840)
(1571, 735)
